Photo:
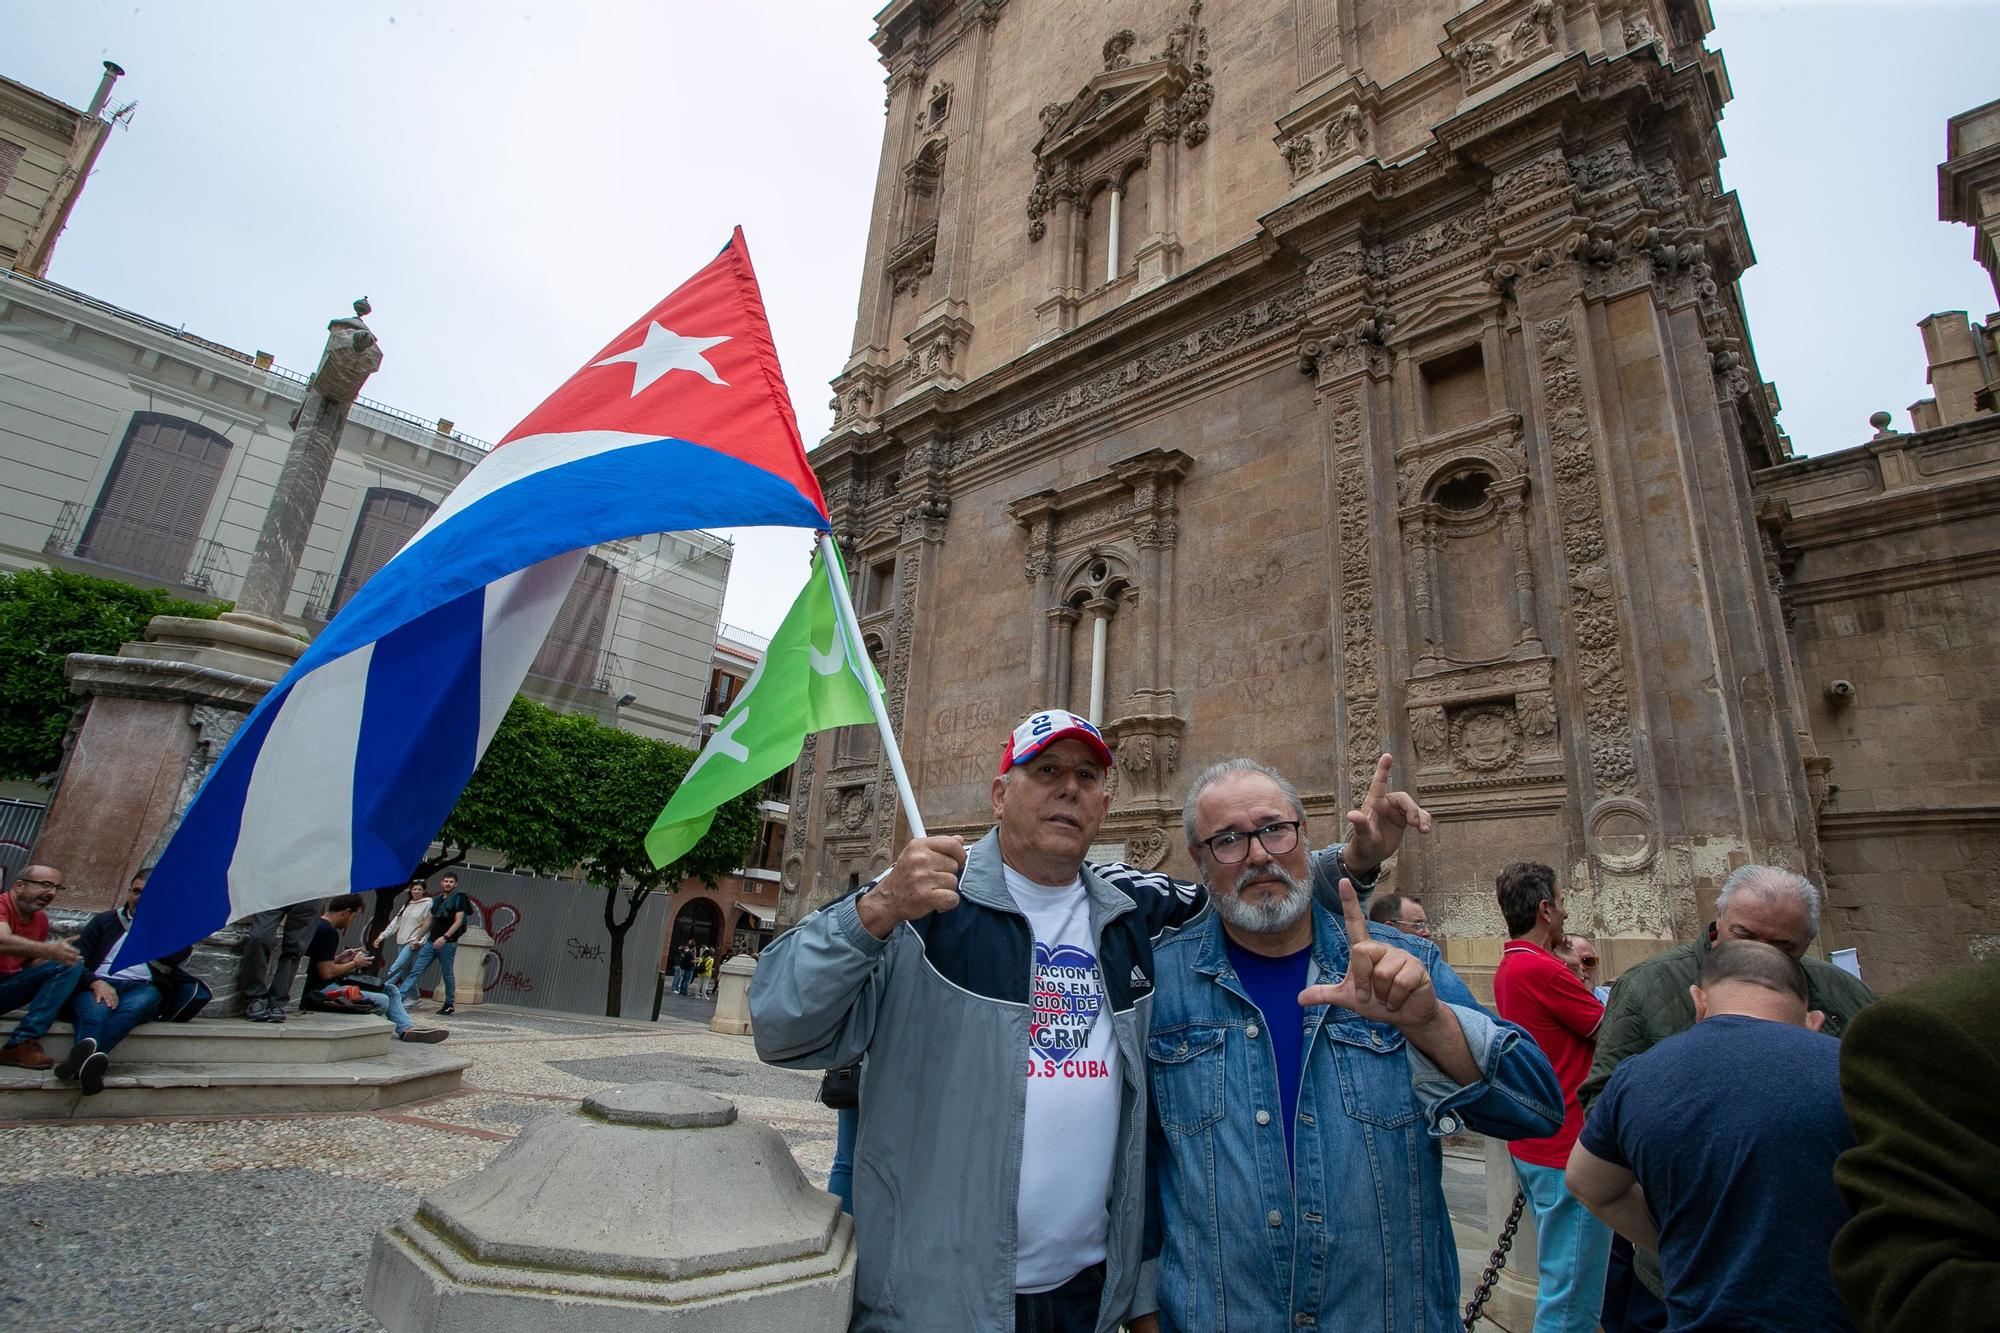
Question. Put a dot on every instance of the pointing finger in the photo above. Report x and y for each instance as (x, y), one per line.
(1351, 914)
(1378, 786)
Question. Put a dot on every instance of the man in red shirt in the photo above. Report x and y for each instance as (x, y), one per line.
(34, 971)
(1536, 990)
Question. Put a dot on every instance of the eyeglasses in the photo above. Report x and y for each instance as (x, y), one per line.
(1228, 847)
(41, 883)
(1411, 927)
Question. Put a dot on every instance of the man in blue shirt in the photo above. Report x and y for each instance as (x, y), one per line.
(1715, 1148)
(1303, 1073)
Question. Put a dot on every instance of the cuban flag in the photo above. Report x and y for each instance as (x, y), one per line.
(338, 780)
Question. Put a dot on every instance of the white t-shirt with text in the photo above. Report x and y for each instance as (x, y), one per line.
(1070, 1140)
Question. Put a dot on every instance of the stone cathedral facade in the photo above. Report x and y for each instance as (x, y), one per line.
(1307, 379)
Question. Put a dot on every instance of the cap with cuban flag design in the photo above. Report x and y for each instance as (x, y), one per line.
(1038, 731)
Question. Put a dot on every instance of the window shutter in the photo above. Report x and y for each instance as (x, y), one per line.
(388, 520)
(150, 512)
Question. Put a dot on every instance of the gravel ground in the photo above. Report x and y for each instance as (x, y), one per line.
(271, 1249)
(237, 1224)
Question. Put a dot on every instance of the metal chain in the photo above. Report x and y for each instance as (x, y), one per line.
(1494, 1263)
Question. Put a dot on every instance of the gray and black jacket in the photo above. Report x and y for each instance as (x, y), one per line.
(940, 1009)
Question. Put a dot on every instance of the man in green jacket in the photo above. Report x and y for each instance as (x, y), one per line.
(1652, 1002)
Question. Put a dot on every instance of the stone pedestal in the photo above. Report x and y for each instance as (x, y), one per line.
(651, 1210)
(732, 996)
(152, 720)
(1512, 1305)
(470, 968)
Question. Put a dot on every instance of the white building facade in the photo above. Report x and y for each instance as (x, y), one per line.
(135, 451)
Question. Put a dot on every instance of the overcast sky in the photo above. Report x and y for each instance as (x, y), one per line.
(513, 183)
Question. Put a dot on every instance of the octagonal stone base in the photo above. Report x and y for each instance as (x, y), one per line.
(583, 1221)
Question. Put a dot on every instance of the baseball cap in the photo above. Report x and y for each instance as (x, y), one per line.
(1038, 731)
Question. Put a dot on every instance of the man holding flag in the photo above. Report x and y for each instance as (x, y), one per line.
(340, 777)
(1001, 995)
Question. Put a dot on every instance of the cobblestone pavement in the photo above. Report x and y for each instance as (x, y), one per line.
(266, 1223)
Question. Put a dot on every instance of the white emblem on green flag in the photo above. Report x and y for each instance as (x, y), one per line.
(798, 688)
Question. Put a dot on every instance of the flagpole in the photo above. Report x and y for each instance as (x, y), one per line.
(857, 655)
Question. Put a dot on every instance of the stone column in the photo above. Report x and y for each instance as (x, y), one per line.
(732, 996)
(1420, 543)
(1511, 496)
(1101, 610)
(351, 356)
(1062, 624)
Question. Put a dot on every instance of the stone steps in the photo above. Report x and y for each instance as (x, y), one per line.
(300, 1039)
(310, 1063)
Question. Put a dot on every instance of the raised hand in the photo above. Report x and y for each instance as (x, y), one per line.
(923, 880)
(1383, 983)
(1378, 826)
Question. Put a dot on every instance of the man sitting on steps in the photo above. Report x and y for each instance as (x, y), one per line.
(35, 971)
(113, 1000)
(329, 967)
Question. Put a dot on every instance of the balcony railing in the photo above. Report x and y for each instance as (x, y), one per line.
(134, 545)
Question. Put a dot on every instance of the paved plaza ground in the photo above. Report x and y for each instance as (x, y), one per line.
(266, 1223)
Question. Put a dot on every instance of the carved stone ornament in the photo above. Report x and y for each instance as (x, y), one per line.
(1312, 145)
(1497, 39)
(1107, 126)
(1485, 738)
(856, 803)
(1146, 849)
(1594, 612)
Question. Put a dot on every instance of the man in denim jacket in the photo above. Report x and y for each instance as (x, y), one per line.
(1296, 1174)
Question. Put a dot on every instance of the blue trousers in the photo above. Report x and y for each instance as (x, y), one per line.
(445, 954)
(840, 1180)
(399, 971)
(110, 1024)
(386, 1001)
(44, 987)
(1575, 1248)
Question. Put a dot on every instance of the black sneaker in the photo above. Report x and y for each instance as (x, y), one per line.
(256, 1011)
(448, 1009)
(429, 1036)
(275, 1014)
(72, 1063)
(92, 1073)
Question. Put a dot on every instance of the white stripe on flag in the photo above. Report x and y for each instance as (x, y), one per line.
(518, 611)
(299, 807)
(524, 457)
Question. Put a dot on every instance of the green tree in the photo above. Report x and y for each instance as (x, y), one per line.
(556, 794)
(626, 779)
(45, 615)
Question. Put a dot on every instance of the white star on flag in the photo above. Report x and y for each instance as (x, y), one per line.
(665, 350)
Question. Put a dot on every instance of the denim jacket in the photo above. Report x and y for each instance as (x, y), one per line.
(1355, 1236)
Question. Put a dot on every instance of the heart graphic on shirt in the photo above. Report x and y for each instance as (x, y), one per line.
(1065, 1001)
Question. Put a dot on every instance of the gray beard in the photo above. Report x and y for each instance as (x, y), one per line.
(1267, 917)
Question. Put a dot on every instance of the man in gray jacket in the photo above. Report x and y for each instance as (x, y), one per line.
(1001, 994)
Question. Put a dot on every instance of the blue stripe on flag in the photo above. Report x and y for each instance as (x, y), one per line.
(198, 879)
(419, 739)
(424, 611)
(662, 486)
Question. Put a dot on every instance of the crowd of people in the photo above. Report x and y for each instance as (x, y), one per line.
(52, 977)
(1080, 1096)
(695, 968)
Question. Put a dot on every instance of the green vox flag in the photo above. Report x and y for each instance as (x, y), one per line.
(798, 688)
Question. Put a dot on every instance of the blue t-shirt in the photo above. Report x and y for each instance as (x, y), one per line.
(1732, 1128)
(1273, 985)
